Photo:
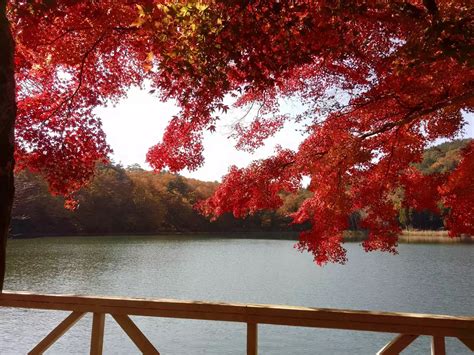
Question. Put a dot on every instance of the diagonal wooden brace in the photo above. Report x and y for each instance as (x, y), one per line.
(397, 344)
(469, 342)
(135, 334)
(56, 333)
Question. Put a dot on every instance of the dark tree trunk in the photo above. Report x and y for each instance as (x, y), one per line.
(7, 124)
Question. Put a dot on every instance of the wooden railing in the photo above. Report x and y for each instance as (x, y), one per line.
(409, 326)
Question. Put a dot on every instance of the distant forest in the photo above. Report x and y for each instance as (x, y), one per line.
(134, 201)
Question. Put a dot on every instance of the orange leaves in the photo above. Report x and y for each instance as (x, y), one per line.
(148, 66)
(142, 17)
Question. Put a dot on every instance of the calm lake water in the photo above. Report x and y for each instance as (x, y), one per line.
(422, 278)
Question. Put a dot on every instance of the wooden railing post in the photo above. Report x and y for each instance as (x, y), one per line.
(97, 336)
(438, 346)
(252, 338)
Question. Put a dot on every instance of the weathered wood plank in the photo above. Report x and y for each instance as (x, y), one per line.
(56, 333)
(97, 336)
(135, 334)
(398, 344)
(252, 339)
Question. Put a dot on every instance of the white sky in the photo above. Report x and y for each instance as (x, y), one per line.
(138, 122)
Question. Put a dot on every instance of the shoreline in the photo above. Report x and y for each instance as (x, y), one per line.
(407, 237)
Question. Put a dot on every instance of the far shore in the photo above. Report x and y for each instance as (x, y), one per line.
(417, 236)
(433, 237)
(407, 236)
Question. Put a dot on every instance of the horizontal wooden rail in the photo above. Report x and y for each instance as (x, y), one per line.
(409, 325)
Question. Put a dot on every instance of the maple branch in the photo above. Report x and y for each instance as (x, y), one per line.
(355, 107)
(83, 64)
(389, 125)
(264, 101)
(416, 113)
(77, 29)
(80, 76)
(431, 7)
(410, 117)
(292, 162)
(124, 28)
(66, 32)
(248, 111)
(390, 159)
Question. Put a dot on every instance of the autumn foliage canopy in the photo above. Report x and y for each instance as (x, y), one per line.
(378, 81)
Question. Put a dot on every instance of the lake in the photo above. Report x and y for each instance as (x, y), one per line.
(422, 278)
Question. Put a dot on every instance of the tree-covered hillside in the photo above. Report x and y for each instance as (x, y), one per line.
(443, 157)
(436, 160)
(134, 201)
(131, 201)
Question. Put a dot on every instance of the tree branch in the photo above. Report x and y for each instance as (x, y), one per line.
(416, 113)
(431, 7)
(70, 98)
